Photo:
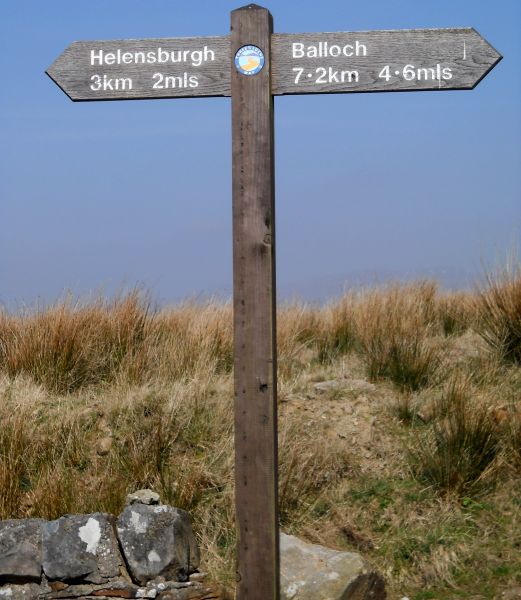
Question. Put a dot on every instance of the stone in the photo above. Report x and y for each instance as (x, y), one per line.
(512, 594)
(81, 547)
(157, 541)
(103, 446)
(114, 589)
(197, 592)
(428, 411)
(21, 550)
(143, 497)
(360, 385)
(324, 386)
(353, 385)
(28, 591)
(122, 589)
(84, 590)
(313, 572)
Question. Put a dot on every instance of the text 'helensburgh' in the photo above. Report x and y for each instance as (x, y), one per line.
(158, 56)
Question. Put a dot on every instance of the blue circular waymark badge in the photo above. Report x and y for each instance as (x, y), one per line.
(249, 60)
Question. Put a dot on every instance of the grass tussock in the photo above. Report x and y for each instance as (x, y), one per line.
(499, 312)
(70, 345)
(395, 329)
(335, 332)
(456, 312)
(101, 398)
(458, 451)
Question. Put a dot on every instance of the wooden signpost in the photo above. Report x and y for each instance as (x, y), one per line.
(252, 65)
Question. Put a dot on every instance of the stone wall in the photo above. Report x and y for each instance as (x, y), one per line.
(149, 551)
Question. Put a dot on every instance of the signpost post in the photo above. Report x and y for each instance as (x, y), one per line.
(252, 65)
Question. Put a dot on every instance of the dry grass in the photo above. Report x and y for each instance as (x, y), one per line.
(458, 451)
(335, 330)
(100, 398)
(395, 329)
(455, 312)
(70, 345)
(309, 465)
(499, 311)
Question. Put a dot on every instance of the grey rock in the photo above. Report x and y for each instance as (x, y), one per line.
(81, 547)
(20, 550)
(313, 572)
(196, 591)
(146, 593)
(324, 386)
(360, 385)
(28, 591)
(143, 497)
(157, 541)
(71, 591)
(354, 385)
(103, 446)
(114, 589)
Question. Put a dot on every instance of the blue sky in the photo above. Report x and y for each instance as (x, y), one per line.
(100, 196)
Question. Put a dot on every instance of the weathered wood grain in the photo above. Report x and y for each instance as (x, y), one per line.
(254, 314)
(463, 51)
(72, 71)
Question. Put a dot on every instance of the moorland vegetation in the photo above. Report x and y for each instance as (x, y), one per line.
(399, 419)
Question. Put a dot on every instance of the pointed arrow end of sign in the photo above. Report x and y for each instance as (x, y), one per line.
(491, 55)
(49, 74)
(54, 72)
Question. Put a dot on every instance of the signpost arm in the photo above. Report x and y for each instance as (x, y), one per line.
(254, 313)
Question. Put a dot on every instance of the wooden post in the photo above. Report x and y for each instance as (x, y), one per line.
(254, 312)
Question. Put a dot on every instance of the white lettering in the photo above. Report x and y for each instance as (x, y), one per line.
(197, 58)
(96, 85)
(360, 49)
(109, 84)
(170, 82)
(324, 50)
(208, 54)
(333, 76)
(321, 75)
(298, 50)
(299, 73)
(159, 55)
(158, 84)
(96, 57)
(350, 76)
(162, 56)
